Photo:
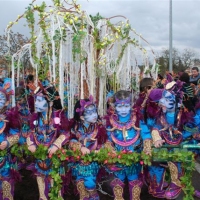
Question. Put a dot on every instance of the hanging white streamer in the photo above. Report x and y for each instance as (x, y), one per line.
(13, 80)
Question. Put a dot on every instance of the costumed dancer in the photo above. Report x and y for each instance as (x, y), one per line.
(167, 118)
(24, 107)
(49, 128)
(196, 137)
(9, 135)
(88, 135)
(124, 135)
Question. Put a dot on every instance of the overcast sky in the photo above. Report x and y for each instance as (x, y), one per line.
(150, 18)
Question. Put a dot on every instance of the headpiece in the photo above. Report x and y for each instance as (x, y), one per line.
(155, 95)
(84, 104)
(152, 108)
(176, 89)
(127, 100)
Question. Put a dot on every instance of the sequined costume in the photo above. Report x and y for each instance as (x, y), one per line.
(9, 135)
(196, 135)
(167, 120)
(47, 129)
(25, 108)
(89, 135)
(124, 135)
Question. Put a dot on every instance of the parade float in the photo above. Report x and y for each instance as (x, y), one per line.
(85, 55)
(90, 54)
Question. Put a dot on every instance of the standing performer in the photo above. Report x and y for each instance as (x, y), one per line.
(167, 119)
(9, 135)
(124, 135)
(48, 129)
(88, 135)
(25, 107)
(196, 137)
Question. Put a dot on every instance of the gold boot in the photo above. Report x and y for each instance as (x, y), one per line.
(84, 195)
(7, 190)
(135, 189)
(118, 189)
(175, 187)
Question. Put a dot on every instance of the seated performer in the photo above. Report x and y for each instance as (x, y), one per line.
(50, 129)
(88, 135)
(124, 135)
(9, 135)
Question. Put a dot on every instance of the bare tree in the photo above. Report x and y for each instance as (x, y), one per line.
(180, 60)
(16, 41)
(188, 57)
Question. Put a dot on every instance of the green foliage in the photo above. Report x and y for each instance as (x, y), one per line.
(96, 18)
(3, 153)
(104, 156)
(77, 47)
(186, 158)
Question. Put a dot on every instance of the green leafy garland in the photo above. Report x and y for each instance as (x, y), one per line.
(104, 156)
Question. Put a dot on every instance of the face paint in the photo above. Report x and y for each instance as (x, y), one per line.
(40, 104)
(167, 102)
(90, 114)
(123, 109)
(2, 100)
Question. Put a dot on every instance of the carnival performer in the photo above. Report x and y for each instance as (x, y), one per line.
(196, 137)
(24, 107)
(89, 135)
(50, 129)
(124, 135)
(167, 118)
(9, 135)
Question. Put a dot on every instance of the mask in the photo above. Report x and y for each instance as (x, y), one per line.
(2, 100)
(123, 110)
(167, 102)
(40, 104)
(90, 114)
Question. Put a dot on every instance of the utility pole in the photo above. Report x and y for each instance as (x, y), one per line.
(170, 36)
